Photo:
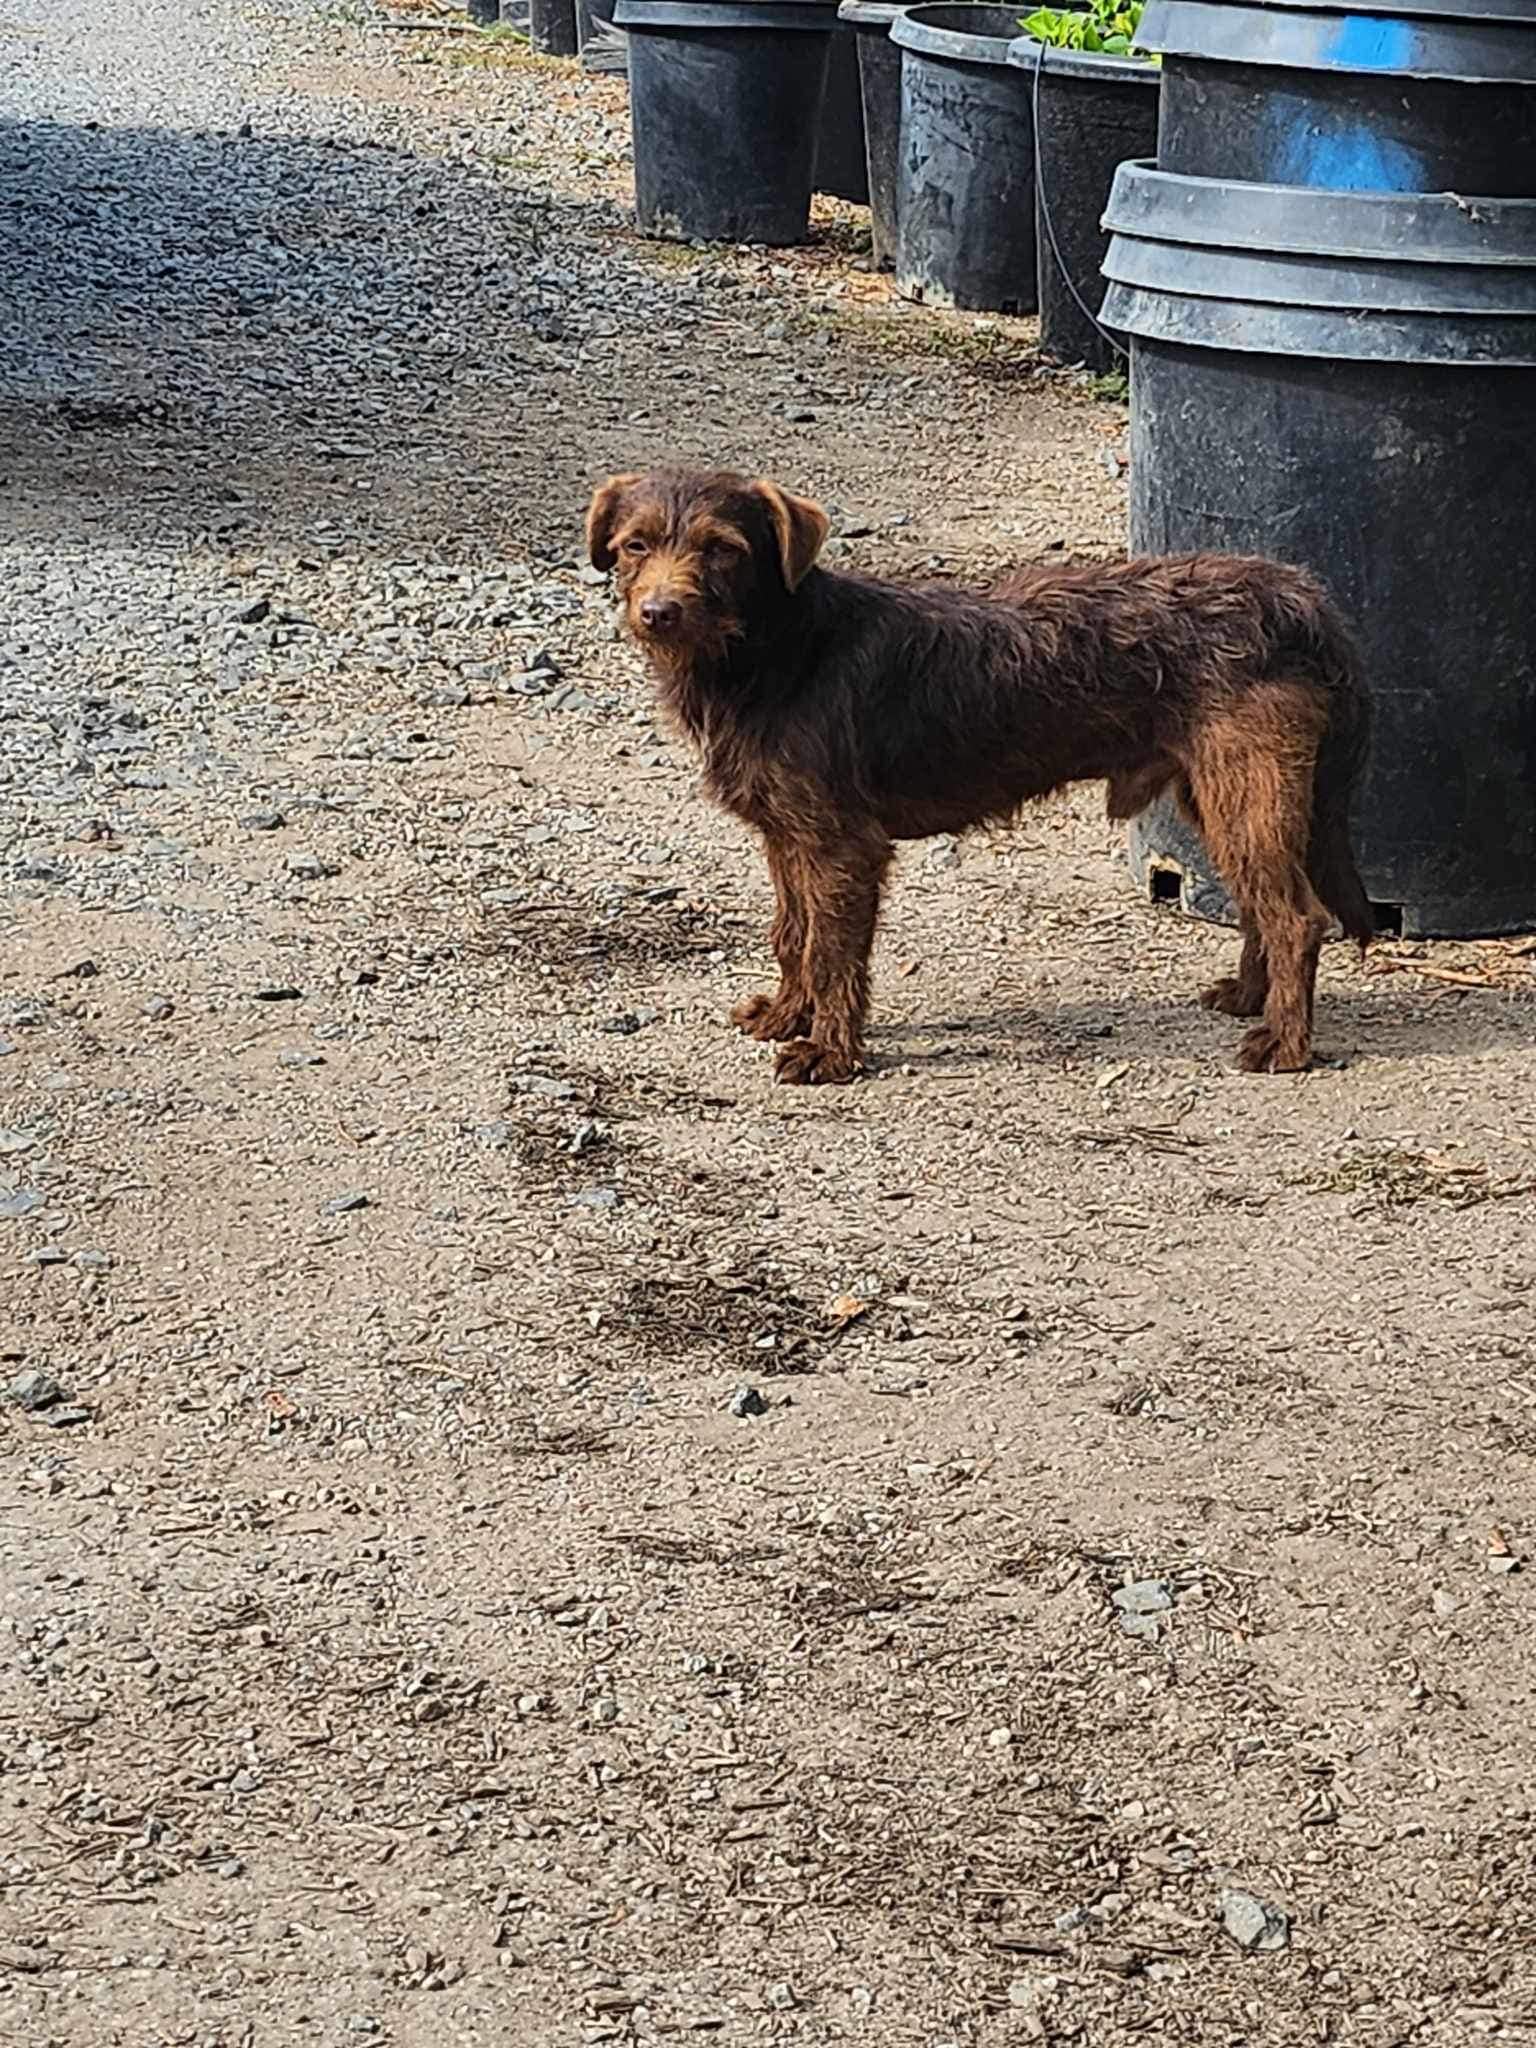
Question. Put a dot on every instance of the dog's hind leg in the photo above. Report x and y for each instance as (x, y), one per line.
(787, 1012)
(842, 895)
(1251, 772)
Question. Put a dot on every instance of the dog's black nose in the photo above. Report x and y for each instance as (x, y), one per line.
(661, 614)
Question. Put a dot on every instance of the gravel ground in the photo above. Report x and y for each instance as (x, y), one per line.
(512, 1530)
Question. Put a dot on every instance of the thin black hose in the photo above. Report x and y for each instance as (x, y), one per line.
(1050, 231)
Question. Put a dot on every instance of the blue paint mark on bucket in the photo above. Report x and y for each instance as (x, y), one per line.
(1373, 42)
(1315, 146)
(1354, 160)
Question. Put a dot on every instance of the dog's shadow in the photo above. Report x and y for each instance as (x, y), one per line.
(1444, 1023)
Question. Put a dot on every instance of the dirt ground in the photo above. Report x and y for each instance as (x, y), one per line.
(400, 1636)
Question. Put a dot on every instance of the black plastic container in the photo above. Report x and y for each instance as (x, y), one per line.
(880, 89)
(965, 174)
(1092, 114)
(725, 102)
(841, 166)
(552, 27)
(1344, 380)
(604, 47)
(1427, 96)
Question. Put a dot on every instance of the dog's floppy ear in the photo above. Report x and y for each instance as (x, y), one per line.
(601, 515)
(799, 525)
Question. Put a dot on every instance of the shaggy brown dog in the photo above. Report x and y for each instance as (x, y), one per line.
(837, 714)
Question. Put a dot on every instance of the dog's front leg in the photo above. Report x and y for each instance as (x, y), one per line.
(787, 1012)
(842, 884)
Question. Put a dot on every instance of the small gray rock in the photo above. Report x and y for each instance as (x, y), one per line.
(746, 1402)
(628, 1022)
(48, 1255)
(595, 1198)
(158, 1009)
(254, 613)
(309, 867)
(1251, 1923)
(34, 1390)
(1141, 1607)
(344, 1205)
(264, 821)
(541, 1084)
(1146, 1596)
(91, 1261)
(17, 1202)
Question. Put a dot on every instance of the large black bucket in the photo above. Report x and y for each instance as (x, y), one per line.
(552, 27)
(965, 174)
(603, 45)
(880, 88)
(1344, 380)
(1092, 114)
(1415, 96)
(841, 168)
(725, 101)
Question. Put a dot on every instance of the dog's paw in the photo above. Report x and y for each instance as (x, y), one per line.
(805, 1061)
(769, 1017)
(1266, 1051)
(1233, 998)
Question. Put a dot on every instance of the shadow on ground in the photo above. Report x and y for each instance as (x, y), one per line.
(220, 335)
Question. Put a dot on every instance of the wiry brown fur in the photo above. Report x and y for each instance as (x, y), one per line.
(837, 714)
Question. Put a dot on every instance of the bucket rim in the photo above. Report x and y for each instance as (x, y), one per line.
(1309, 220)
(1093, 65)
(1462, 49)
(916, 29)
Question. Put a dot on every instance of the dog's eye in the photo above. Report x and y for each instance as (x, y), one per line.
(634, 547)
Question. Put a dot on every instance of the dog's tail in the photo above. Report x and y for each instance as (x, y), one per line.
(1340, 762)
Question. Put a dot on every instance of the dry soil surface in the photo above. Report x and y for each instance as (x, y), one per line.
(1108, 1621)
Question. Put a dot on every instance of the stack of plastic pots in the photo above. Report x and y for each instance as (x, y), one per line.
(1329, 281)
(726, 102)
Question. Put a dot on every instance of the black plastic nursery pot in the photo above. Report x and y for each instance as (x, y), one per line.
(604, 47)
(841, 166)
(1412, 96)
(1343, 380)
(965, 172)
(552, 27)
(725, 102)
(1092, 113)
(880, 90)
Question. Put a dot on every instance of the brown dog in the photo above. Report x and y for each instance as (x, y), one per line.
(837, 714)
